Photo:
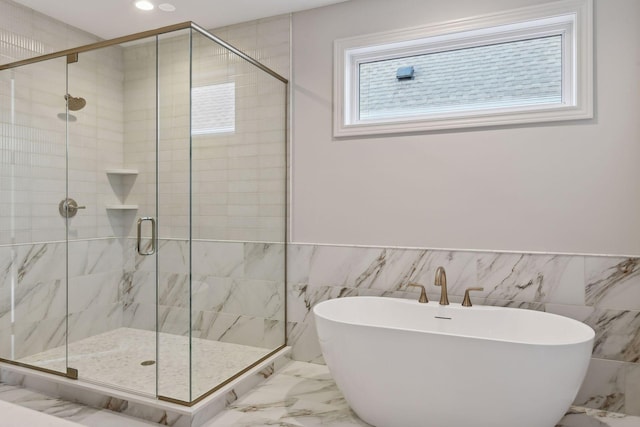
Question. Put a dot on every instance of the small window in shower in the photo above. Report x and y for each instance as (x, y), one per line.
(213, 109)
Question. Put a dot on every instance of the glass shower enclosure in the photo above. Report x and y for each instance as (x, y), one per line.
(143, 213)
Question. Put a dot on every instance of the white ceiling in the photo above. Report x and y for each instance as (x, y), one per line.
(114, 18)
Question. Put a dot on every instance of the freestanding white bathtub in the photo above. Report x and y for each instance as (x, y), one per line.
(400, 363)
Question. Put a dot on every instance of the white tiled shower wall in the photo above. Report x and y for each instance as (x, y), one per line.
(238, 178)
(32, 136)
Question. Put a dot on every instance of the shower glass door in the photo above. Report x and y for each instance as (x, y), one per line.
(112, 253)
(33, 290)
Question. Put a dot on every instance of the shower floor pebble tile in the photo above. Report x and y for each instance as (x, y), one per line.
(301, 394)
(114, 358)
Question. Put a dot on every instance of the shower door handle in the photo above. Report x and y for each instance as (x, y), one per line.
(153, 235)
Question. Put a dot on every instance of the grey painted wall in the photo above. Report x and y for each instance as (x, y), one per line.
(562, 187)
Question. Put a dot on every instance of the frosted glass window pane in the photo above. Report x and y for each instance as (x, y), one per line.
(519, 73)
(213, 109)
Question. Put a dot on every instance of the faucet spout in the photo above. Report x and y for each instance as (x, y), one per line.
(441, 280)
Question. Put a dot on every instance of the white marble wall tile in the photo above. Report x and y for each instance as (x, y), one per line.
(533, 278)
(617, 334)
(8, 269)
(302, 298)
(129, 254)
(6, 335)
(385, 269)
(173, 320)
(45, 302)
(94, 321)
(274, 334)
(613, 282)
(538, 306)
(303, 339)
(264, 261)
(257, 298)
(86, 292)
(40, 262)
(211, 293)
(31, 338)
(632, 389)
(138, 287)
(221, 259)
(298, 262)
(34, 302)
(347, 266)
(233, 328)
(403, 266)
(140, 316)
(95, 256)
(173, 289)
(229, 328)
(173, 257)
(604, 386)
(577, 312)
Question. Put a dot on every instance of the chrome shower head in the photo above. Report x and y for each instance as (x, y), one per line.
(74, 103)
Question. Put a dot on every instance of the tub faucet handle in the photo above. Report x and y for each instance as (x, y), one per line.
(423, 292)
(466, 302)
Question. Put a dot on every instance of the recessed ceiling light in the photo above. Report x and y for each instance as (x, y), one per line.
(144, 5)
(167, 7)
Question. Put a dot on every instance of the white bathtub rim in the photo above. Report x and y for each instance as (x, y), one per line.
(587, 334)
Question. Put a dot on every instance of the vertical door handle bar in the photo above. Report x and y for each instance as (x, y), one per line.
(153, 235)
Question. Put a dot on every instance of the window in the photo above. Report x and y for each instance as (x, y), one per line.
(213, 109)
(522, 66)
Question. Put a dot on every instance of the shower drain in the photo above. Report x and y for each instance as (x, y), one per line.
(148, 363)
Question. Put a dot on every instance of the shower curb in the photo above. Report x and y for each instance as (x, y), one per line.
(138, 406)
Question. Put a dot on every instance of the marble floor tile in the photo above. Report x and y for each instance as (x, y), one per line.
(303, 394)
(57, 409)
(299, 395)
(14, 415)
(585, 417)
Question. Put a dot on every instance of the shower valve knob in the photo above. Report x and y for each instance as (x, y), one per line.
(68, 208)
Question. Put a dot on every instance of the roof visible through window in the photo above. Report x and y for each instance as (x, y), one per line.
(523, 72)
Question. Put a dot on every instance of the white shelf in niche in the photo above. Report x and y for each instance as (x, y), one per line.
(122, 171)
(122, 207)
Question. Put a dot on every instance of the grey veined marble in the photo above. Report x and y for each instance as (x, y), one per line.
(304, 394)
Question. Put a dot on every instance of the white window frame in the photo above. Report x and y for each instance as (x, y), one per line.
(573, 19)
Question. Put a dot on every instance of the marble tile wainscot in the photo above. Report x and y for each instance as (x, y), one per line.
(602, 291)
(35, 274)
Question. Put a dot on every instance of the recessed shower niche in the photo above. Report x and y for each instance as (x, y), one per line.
(170, 281)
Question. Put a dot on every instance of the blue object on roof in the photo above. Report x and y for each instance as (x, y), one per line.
(405, 73)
